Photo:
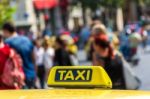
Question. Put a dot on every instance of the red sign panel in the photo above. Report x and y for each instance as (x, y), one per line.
(45, 4)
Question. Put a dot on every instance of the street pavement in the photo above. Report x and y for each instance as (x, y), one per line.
(82, 57)
(142, 70)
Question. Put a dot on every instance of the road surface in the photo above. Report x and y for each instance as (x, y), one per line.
(143, 69)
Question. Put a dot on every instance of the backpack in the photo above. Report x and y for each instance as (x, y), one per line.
(13, 75)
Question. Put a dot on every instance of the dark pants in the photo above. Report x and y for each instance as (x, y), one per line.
(41, 75)
(30, 83)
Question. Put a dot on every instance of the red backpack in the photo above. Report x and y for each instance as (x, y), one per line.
(13, 75)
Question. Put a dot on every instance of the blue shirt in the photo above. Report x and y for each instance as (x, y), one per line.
(25, 48)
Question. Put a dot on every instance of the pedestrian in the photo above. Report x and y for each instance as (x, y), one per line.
(39, 55)
(47, 31)
(97, 29)
(49, 54)
(144, 34)
(84, 36)
(104, 55)
(25, 48)
(71, 48)
(4, 55)
(11, 72)
(62, 57)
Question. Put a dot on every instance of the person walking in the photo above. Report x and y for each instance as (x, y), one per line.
(48, 56)
(104, 55)
(4, 55)
(97, 29)
(62, 57)
(25, 48)
(11, 72)
(39, 55)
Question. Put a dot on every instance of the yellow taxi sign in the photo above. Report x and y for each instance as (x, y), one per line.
(73, 75)
(79, 76)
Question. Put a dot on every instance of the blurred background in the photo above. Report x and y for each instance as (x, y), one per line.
(77, 20)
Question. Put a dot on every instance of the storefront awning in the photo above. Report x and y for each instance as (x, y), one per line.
(45, 4)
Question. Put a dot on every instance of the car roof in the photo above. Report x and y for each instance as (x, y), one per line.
(74, 94)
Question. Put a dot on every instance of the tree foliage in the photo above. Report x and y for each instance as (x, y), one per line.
(6, 11)
(93, 4)
(112, 3)
(146, 2)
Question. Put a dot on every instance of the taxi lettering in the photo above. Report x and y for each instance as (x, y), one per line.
(73, 75)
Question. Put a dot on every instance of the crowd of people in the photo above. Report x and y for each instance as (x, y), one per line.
(36, 57)
(32, 60)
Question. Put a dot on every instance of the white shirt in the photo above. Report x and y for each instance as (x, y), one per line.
(49, 58)
(39, 54)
